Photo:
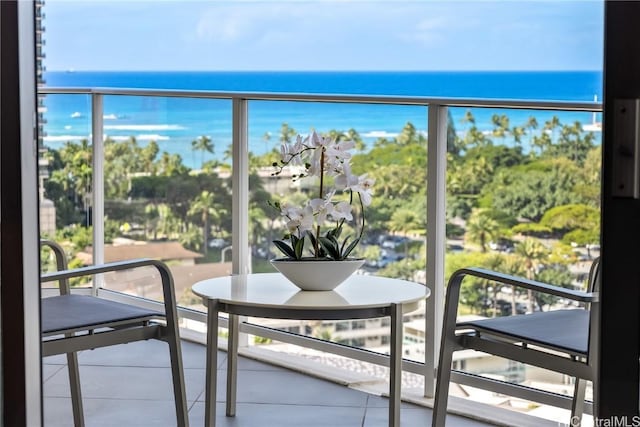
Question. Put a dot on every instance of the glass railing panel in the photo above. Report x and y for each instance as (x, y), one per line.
(65, 177)
(390, 147)
(523, 198)
(167, 188)
(166, 181)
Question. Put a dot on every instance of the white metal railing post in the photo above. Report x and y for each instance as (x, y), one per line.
(240, 188)
(97, 211)
(241, 255)
(436, 239)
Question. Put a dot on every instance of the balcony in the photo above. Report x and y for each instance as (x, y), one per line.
(236, 114)
(131, 383)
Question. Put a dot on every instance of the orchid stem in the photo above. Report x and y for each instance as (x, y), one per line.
(320, 196)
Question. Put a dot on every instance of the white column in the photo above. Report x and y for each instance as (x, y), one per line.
(241, 259)
(97, 217)
(240, 188)
(436, 239)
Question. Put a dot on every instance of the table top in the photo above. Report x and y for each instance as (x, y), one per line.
(273, 290)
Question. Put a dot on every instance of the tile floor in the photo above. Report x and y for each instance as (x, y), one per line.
(130, 385)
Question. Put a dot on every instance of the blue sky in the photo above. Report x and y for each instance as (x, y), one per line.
(324, 35)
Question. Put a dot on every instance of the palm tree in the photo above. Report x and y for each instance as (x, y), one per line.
(203, 144)
(76, 174)
(500, 125)
(551, 126)
(542, 142)
(287, 134)
(204, 204)
(481, 228)
(531, 251)
(152, 217)
(517, 132)
(468, 118)
(495, 263)
(409, 135)
(171, 165)
(168, 223)
(531, 125)
(405, 220)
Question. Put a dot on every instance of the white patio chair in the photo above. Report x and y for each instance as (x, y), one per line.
(564, 340)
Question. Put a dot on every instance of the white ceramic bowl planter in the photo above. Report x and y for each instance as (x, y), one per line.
(316, 274)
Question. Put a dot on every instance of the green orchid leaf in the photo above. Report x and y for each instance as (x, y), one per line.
(350, 248)
(330, 246)
(299, 247)
(284, 248)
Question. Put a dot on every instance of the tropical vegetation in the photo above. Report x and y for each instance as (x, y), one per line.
(520, 199)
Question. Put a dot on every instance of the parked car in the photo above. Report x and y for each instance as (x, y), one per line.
(386, 256)
(506, 309)
(389, 241)
(218, 243)
(502, 245)
(454, 247)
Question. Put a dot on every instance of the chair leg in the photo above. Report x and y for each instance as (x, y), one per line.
(177, 373)
(74, 385)
(442, 384)
(577, 406)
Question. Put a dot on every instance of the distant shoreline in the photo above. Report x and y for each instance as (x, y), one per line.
(322, 71)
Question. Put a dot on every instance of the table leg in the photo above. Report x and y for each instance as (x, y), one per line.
(232, 364)
(212, 364)
(395, 365)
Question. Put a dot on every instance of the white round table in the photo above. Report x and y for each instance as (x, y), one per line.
(271, 295)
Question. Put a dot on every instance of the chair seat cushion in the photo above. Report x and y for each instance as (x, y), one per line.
(79, 312)
(565, 330)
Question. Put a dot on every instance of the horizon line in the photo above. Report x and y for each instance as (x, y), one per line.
(72, 70)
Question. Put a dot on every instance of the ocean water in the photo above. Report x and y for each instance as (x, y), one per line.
(173, 123)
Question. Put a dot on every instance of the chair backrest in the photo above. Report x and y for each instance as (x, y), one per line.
(593, 285)
(593, 281)
(61, 262)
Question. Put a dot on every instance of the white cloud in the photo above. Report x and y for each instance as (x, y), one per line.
(217, 26)
(426, 31)
(247, 21)
(337, 34)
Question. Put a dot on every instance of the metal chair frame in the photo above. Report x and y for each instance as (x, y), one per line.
(80, 333)
(491, 337)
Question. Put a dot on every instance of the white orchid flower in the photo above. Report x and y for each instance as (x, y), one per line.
(320, 141)
(340, 150)
(292, 226)
(306, 221)
(342, 210)
(345, 179)
(290, 212)
(322, 208)
(300, 144)
(285, 152)
(364, 189)
(314, 160)
(300, 220)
